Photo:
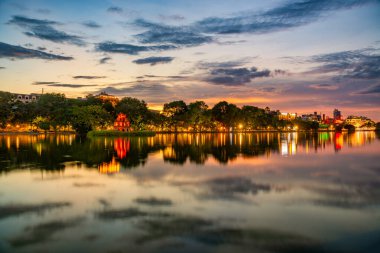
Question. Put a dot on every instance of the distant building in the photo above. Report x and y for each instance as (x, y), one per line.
(287, 116)
(27, 98)
(312, 117)
(337, 114)
(358, 121)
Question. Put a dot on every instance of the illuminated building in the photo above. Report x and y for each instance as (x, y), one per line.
(357, 121)
(287, 116)
(122, 123)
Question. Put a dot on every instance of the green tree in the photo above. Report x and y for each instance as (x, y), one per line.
(176, 113)
(54, 107)
(227, 114)
(198, 115)
(136, 111)
(6, 100)
(42, 123)
(87, 118)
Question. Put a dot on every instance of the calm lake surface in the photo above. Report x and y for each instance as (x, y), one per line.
(260, 192)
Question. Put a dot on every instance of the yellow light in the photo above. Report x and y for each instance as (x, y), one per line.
(240, 126)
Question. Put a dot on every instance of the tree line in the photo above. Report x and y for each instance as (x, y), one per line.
(53, 111)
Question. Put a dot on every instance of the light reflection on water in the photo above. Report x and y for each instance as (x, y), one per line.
(265, 192)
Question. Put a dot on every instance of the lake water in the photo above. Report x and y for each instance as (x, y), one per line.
(264, 192)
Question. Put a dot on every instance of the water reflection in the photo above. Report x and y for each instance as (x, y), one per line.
(110, 155)
(264, 192)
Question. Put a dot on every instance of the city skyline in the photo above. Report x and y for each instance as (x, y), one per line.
(294, 56)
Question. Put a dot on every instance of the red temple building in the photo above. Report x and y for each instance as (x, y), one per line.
(122, 123)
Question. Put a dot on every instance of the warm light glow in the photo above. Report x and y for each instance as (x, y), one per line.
(109, 168)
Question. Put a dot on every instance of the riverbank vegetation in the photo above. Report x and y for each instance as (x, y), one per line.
(55, 112)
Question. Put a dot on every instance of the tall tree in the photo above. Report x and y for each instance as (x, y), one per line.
(54, 107)
(227, 114)
(197, 114)
(176, 113)
(87, 118)
(6, 100)
(136, 111)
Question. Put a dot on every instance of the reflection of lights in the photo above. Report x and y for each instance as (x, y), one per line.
(338, 141)
(109, 168)
(122, 147)
(284, 148)
(169, 153)
(39, 149)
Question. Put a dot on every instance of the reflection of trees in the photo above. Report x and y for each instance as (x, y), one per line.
(223, 147)
(51, 152)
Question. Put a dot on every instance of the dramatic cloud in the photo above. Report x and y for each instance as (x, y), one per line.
(138, 89)
(44, 83)
(17, 52)
(357, 64)
(179, 36)
(226, 64)
(115, 9)
(111, 47)
(43, 29)
(91, 24)
(323, 87)
(372, 90)
(289, 15)
(154, 60)
(65, 85)
(88, 77)
(104, 60)
(235, 76)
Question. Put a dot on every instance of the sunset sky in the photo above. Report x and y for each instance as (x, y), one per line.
(296, 56)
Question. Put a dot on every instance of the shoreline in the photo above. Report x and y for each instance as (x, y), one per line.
(152, 133)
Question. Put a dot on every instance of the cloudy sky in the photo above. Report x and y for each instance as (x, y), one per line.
(295, 56)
